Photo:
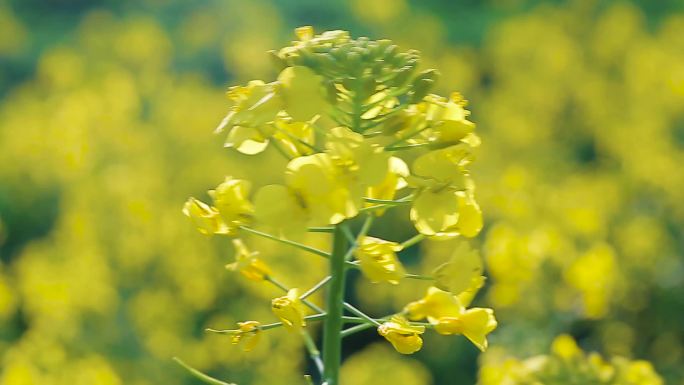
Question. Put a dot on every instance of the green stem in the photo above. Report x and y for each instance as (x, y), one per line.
(356, 241)
(304, 247)
(410, 242)
(348, 233)
(284, 288)
(361, 314)
(420, 277)
(315, 317)
(313, 351)
(387, 201)
(332, 326)
(199, 375)
(315, 288)
(395, 203)
(406, 147)
(408, 136)
(281, 150)
(322, 229)
(356, 329)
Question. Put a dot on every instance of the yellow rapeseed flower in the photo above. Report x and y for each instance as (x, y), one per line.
(252, 108)
(248, 333)
(231, 199)
(402, 335)
(449, 316)
(289, 309)
(435, 305)
(448, 118)
(247, 263)
(365, 160)
(444, 205)
(315, 181)
(206, 218)
(461, 272)
(378, 260)
(296, 138)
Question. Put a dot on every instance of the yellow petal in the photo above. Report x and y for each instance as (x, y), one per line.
(466, 297)
(323, 191)
(378, 260)
(433, 213)
(206, 218)
(350, 150)
(462, 271)
(477, 323)
(247, 263)
(445, 166)
(288, 308)
(302, 92)
(246, 140)
(231, 199)
(294, 137)
(278, 210)
(469, 217)
(403, 336)
(436, 304)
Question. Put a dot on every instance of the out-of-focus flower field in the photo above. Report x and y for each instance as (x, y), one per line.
(106, 114)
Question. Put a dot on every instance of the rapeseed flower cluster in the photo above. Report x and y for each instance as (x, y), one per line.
(361, 134)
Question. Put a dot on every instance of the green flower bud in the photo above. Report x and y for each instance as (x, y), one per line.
(420, 89)
(422, 84)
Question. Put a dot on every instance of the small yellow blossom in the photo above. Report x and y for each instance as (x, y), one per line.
(444, 206)
(367, 161)
(231, 201)
(206, 218)
(564, 346)
(252, 108)
(247, 263)
(378, 260)
(402, 335)
(449, 316)
(443, 214)
(289, 309)
(316, 181)
(296, 138)
(639, 372)
(449, 118)
(248, 333)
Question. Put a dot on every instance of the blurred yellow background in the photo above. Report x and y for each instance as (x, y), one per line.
(106, 114)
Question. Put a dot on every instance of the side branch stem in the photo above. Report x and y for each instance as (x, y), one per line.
(298, 245)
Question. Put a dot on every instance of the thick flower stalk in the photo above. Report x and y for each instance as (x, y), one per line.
(362, 134)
